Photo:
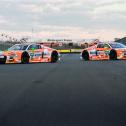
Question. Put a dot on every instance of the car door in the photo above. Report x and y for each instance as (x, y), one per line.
(102, 51)
(35, 52)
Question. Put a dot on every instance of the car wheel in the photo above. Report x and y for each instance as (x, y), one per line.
(85, 55)
(3, 61)
(25, 58)
(54, 56)
(113, 55)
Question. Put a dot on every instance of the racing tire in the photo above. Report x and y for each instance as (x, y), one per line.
(3, 61)
(54, 56)
(25, 58)
(85, 55)
(113, 55)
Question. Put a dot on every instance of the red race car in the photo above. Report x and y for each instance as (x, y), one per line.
(105, 51)
(29, 53)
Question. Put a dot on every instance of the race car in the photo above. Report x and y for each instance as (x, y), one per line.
(104, 51)
(29, 53)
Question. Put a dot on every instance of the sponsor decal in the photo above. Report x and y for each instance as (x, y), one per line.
(37, 54)
(93, 52)
(31, 55)
(107, 52)
(34, 55)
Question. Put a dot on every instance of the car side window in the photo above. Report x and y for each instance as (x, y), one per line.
(39, 47)
(106, 46)
(31, 47)
(100, 46)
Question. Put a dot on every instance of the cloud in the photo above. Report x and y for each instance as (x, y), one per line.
(2, 20)
(64, 18)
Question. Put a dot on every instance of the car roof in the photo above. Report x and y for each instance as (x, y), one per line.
(27, 44)
(109, 43)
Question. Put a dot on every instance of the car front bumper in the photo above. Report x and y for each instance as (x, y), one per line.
(2, 58)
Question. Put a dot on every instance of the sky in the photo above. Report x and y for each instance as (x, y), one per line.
(70, 19)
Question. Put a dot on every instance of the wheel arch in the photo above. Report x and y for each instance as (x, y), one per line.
(110, 54)
(85, 52)
(26, 55)
(54, 56)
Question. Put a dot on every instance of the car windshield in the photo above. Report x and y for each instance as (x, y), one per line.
(18, 47)
(117, 45)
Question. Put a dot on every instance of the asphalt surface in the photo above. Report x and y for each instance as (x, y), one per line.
(70, 92)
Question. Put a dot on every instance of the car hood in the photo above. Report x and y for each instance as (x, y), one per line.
(8, 53)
